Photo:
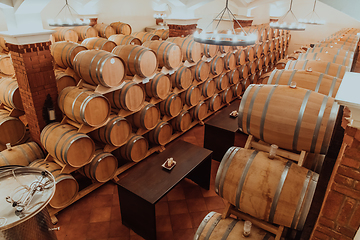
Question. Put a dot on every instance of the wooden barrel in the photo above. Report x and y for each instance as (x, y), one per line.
(329, 68)
(259, 63)
(191, 96)
(252, 66)
(338, 46)
(237, 89)
(65, 52)
(267, 59)
(234, 76)
(214, 102)
(116, 131)
(65, 34)
(64, 143)
(258, 49)
(121, 39)
(139, 60)
(10, 93)
(201, 71)
(168, 54)
(3, 44)
(85, 32)
(254, 78)
(208, 88)
(66, 188)
(130, 97)
(241, 56)
(191, 50)
(245, 176)
(161, 134)
(217, 65)
(222, 81)
(99, 67)
(147, 117)
(172, 105)
(199, 112)
(84, 106)
(6, 65)
(230, 61)
(226, 96)
(12, 129)
(210, 50)
(182, 121)
(332, 51)
(21, 155)
(145, 36)
(346, 61)
(158, 87)
(104, 30)
(182, 78)
(224, 49)
(98, 43)
(244, 71)
(250, 53)
(102, 166)
(162, 33)
(279, 105)
(214, 227)
(121, 28)
(315, 81)
(63, 80)
(135, 149)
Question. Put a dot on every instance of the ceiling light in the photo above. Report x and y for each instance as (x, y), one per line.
(312, 18)
(293, 26)
(70, 20)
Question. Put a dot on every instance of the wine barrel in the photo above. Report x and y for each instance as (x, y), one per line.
(329, 68)
(130, 97)
(332, 51)
(191, 96)
(145, 36)
(99, 67)
(279, 105)
(244, 71)
(182, 121)
(10, 93)
(252, 66)
(65, 52)
(64, 143)
(224, 49)
(135, 149)
(162, 33)
(66, 188)
(3, 44)
(147, 117)
(63, 80)
(201, 71)
(84, 106)
(250, 53)
(21, 155)
(214, 227)
(237, 89)
(217, 65)
(121, 39)
(161, 134)
(338, 46)
(104, 30)
(65, 34)
(85, 32)
(214, 102)
(210, 50)
(116, 131)
(208, 88)
(315, 81)
(222, 81)
(199, 112)
(346, 61)
(245, 176)
(12, 130)
(229, 61)
(182, 78)
(6, 65)
(121, 28)
(98, 43)
(241, 57)
(258, 49)
(168, 54)
(259, 63)
(191, 50)
(102, 166)
(172, 105)
(158, 87)
(234, 76)
(139, 60)
(226, 96)
(254, 78)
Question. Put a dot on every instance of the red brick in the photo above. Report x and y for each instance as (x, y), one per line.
(349, 172)
(332, 205)
(340, 179)
(346, 211)
(320, 235)
(346, 191)
(348, 139)
(328, 232)
(350, 162)
(345, 238)
(352, 153)
(349, 232)
(357, 185)
(327, 222)
(355, 218)
(357, 135)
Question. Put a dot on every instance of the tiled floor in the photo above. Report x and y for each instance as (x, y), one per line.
(178, 214)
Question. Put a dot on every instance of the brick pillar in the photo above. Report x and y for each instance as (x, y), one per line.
(34, 71)
(339, 217)
(244, 23)
(176, 30)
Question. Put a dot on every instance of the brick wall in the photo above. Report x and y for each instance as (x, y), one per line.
(181, 30)
(244, 23)
(339, 217)
(34, 71)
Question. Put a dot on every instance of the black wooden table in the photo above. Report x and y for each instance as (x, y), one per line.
(220, 131)
(143, 185)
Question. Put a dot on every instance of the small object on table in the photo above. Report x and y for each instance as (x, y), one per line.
(234, 114)
(247, 228)
(169, 164)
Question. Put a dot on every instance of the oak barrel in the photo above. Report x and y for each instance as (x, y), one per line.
(182, 78)
(201, 71)
(12, 129)
(191, 96)
(99, 67)
(250, 53)
(63, 80)
(208, 88)
(222, 81)
(6, 65)
(191, 50)
(210, 50)
(158, 87)
(276, 190)
(65, 52)
(241, 56)
(121, 39)
(217, 65)
(230, 61)
(214, 102)
(10, 93)
(327, 57)
(121, 28)
(21, 155)
(182, 121)
(98, 43)
(226, 96)
(234, 76)
(65, 34)
(85, 32)
(147, 117)
(292, 118)
(168, 54)
(161, 134)
(135, 149)
(162, 33)
(332, 51)
(199, 112)
(172, 105)
(252, 66)
(145, 36)
(237, 89)
(64, 143)
(224, 49)
(244, 71)
(104, 30)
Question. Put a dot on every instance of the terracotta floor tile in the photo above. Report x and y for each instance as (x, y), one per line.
(214, 203)
(175, 194)
(196, 204)
(102, 214)
(107, 188)
(117, 229)
(136, 237)
(115, 200)
(197, 217)
(119, 238)
(184, 234)
(192, 192)
(187, 183)
(161, 208)
(178, 207)
(115, 213)
(163, 224)
(164, 199)
(103, 200)
(98, 230)
(76, 231)
(164, 235)
(82, 216)
(64, 216)
(209, 193)
(181, 221)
